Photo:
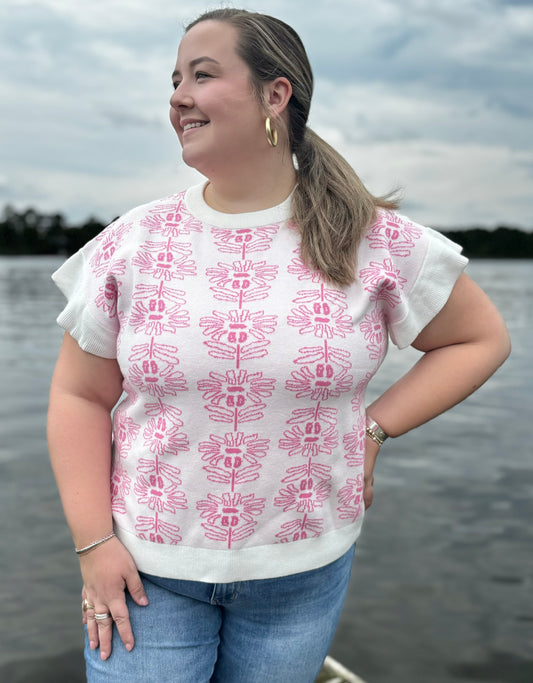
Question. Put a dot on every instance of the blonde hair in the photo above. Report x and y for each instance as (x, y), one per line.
(331, 206)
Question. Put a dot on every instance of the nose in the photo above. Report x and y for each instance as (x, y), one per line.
(180, 98)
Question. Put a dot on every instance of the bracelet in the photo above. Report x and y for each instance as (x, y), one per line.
(81, 551)
(375, 432)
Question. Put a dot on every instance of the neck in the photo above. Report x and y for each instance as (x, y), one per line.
(252, 189)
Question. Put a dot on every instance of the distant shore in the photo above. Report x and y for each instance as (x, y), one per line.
(29, 232)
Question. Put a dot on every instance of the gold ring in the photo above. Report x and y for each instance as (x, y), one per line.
(86, 605)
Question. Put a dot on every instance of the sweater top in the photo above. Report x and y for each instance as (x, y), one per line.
(239, 439)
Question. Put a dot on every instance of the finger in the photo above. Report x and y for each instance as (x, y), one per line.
(121, 618)
(85, 605)
(368, 495)
(105, 630)
(83, 611)
(92, 630)
(136, 589)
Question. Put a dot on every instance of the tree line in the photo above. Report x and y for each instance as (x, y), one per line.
(30, 232)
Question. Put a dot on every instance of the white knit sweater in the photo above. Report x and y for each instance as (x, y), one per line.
(239, 440)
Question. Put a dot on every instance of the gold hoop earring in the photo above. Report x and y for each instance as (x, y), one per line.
(272, 135)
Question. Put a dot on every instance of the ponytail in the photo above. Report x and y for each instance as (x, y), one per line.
(332, 208)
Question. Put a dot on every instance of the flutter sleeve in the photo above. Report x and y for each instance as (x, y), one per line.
(91, 281)
(413, 270)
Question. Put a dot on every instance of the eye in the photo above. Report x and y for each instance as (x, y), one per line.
(199, 75)
(175, 84)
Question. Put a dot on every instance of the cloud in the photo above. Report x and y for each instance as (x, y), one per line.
(441, 184)
(375, 112)
(431, 94)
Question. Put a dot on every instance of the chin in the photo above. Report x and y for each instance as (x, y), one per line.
(189, 159)
(199, 162)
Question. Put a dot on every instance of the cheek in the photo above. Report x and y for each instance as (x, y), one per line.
(174, 120)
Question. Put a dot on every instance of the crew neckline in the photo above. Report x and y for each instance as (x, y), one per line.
(194, 199)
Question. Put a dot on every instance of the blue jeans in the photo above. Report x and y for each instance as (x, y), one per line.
(269, 630)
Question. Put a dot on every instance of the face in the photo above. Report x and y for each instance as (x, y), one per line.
(214, 111)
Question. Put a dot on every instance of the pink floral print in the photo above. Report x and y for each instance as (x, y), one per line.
(233, 460)
(158, 309)
(393, 234)
(120, 489)
(245, 371)
(158, 494)
(323, 374)
(165, 260)
(230, 517)
(300, 269)
(323, 315)
(171, 219)
(374, 331)
(236, 396)
(238, 335)
(384, 281)
(163, 437)
(153, 370)
(244, 241)
(351, 504)
(309, 440)
(156, 530)
(103, 259)
(125, 432)
(241, 281)
(108, 296)
(300, 529)
(354, 444)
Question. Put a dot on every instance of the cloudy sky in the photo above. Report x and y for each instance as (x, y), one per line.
(434, 96)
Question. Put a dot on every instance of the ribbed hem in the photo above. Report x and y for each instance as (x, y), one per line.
(225, 566)
(79, 323)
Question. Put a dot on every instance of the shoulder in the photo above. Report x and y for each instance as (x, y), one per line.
(157, 209)
(398, 250)
(138, 222)
(402, 238)
(395, 233)
(410, 269)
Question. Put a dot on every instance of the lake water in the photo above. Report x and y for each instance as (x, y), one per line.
(441, 588)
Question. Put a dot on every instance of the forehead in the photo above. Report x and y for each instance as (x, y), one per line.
(215, 39)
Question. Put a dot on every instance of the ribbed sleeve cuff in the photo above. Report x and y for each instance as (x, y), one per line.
(442, 266)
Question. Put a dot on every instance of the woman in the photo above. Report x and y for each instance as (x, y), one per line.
(243, 320)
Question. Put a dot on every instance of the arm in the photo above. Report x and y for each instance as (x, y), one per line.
(463, 346)
(84, 390)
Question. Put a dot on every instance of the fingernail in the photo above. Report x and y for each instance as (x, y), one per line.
(92, 645)
(103, 655)
(143, 601)
(129, 647)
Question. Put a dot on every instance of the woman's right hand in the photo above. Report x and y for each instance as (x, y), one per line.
(371, 454)
(108, 571)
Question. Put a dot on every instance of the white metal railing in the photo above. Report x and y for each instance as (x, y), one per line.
(334, 672)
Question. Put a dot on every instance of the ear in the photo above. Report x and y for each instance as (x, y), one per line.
(277, 95)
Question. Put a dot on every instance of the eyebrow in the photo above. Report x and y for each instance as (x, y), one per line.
(195, 62)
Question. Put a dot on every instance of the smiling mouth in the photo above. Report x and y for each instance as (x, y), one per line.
(196, 124)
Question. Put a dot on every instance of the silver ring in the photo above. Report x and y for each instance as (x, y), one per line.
(101, 617)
